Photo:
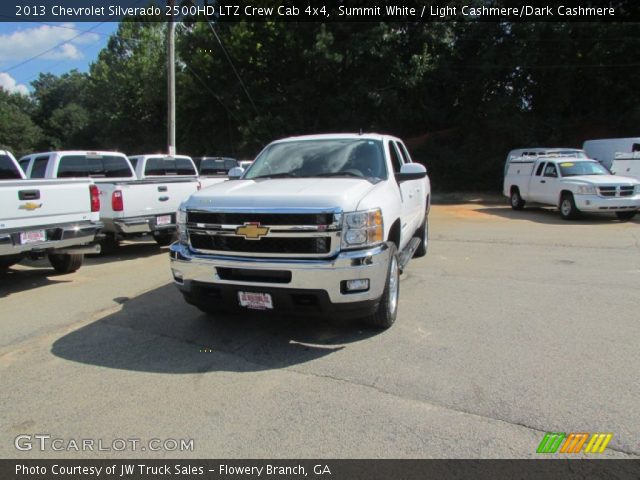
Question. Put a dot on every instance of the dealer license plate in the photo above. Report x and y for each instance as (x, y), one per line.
(163, 220)
(35, 236)
(256, 301)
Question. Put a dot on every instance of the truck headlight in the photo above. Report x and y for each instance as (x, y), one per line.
(181, 221)
(637, 189)
(586, 190)
(362, 229)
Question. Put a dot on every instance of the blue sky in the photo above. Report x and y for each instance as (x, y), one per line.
(58, 48)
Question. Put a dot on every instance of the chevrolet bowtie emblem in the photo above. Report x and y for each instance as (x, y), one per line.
(252, 231)
(30, 206)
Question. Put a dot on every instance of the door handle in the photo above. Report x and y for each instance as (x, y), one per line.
(543, 181)
(163, 199)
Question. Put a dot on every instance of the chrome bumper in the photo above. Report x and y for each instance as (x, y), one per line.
(58, 237)
(135, 225)
(311, 274)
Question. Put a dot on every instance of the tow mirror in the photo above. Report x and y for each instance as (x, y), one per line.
(235, 173)
(411, 171)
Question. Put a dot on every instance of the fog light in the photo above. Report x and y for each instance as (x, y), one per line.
(357, 285)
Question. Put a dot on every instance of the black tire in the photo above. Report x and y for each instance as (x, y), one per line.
(423, 235)
(624, 216)
(109, 244)
(387, 311)
(567, 206)
(163, 239)
(66, 262)
(517, 203)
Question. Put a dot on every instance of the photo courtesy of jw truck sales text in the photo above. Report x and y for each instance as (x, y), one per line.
(319, 240)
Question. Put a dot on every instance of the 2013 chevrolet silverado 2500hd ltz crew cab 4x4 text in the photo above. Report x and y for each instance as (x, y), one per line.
(317, 224)
(57, 218)
(574, 185)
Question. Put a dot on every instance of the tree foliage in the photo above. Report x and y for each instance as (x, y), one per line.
(462, 94)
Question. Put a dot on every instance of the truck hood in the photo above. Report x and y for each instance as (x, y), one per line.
(284, 193)
(602, 180)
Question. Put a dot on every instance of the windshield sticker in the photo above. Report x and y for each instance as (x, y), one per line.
(567, 164)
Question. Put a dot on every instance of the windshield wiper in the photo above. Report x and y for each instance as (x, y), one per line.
(275, 175)
(338, 174)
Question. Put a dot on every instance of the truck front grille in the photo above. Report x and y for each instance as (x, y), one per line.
(275, 219)
(275, 245)
(615, 191)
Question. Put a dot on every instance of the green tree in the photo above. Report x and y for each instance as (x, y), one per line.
(18, 132)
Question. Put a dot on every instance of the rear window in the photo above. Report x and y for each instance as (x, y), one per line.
(109, 166)
(217, 166)
(8, 169)
(169, 166)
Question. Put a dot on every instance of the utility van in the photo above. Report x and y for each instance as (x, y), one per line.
(627, 164)
(604, 150)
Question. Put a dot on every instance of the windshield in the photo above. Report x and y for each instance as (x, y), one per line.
(572, 169)
(210, 166)
(321, 158)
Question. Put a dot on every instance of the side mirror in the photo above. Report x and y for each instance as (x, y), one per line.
(235, 173)
(411, 171)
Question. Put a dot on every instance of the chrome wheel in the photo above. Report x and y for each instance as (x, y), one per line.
(565, 207)
(515, 200)
(393, 285)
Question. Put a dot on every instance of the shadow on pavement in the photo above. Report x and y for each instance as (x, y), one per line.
(128, 250)
(549, 216)
(158, 332)
(17, 280)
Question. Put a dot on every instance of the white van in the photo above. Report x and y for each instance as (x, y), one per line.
(605, 150)
(536, 152)
(627, 164)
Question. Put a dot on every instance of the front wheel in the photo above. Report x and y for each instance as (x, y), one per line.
(387, 311)
(67, 262)
(626, 215)
(568, 208)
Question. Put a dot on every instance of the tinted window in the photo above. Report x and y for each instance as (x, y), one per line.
(8, 169)
(24, 164)
(405, 153)
(39, 167)
(169, 166)
(550, 170)
(210, 166)
(395, 159)
(109, 166)
(539, 169)
(134, 162)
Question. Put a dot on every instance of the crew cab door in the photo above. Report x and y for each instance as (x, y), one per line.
(544, 185)
(408, 195)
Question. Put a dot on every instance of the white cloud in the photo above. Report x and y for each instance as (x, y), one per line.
(8, 83)
(28, 42)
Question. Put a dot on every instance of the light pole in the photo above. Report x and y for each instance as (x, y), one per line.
(171, 83)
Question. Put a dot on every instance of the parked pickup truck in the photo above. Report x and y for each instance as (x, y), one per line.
(58, 218)
(318, 224)
(627, 164)
(129, 206)
(574, 185)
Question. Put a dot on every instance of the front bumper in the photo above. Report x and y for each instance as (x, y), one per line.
(192, 272)
(596, 203)
(58, 237)
(139, 225)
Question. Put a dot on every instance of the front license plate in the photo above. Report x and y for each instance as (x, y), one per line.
(163, 220)
(256, 301)
(33, 237)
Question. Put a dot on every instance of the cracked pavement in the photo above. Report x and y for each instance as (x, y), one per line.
(515, 324)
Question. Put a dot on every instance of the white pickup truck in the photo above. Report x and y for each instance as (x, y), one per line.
(574, 185)
(627, 164)
(320, 224)
(130, 206)
(58, 218)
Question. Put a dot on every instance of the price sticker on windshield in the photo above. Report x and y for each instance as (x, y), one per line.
(567, 164)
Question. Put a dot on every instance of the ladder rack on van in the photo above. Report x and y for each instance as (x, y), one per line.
(627, 155)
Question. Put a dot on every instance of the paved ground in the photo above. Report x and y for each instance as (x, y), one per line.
(515, 324)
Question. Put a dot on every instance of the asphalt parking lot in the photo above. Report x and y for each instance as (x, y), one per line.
(515, 324)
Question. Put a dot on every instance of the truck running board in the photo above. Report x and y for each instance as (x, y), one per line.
(408, 252)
